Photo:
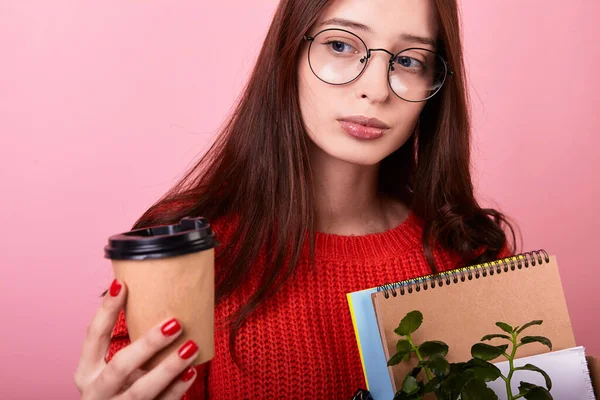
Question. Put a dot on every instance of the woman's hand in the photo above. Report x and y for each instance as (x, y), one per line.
(122, 378)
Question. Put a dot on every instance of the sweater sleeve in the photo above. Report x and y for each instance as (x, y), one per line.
(120, 339)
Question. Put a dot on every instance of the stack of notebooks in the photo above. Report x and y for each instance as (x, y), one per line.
(459, 307)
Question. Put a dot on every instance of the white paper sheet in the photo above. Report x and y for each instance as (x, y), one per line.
(567, 369)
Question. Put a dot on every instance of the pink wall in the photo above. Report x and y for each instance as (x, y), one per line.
(104, 103)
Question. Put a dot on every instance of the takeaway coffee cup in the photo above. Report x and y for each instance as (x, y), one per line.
(169, 272)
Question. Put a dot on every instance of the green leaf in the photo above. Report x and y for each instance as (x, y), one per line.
(410, 323)
(527, 325)
(415, 371)
(418, 395)
(505, 327)
(530, 367)
(457, 367)
(403, 346)
(476, 389)
(526, 386)
(410, 384)
(495, 335)
(453, 385)
(433, 348)
(487, 352)
(400, 395)
(540, 339)
(437, 364)
(534, 392)
(434, 384)
(483, 370)
(397, 358)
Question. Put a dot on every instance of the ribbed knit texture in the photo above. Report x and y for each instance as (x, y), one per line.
(300, 344)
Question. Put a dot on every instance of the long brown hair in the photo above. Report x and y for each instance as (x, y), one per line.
(258, 168)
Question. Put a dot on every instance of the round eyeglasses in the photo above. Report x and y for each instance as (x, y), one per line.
(338, 57)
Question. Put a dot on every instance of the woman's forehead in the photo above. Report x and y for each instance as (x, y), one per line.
(390, 20)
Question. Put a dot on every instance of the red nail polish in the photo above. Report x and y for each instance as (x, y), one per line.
(115, 288)
(188, 374)
(170, 327)
(188, 349)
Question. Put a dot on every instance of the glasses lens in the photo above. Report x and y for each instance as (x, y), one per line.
(337, 56)
(417, 74)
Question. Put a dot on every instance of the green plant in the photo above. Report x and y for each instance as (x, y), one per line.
(467, 380)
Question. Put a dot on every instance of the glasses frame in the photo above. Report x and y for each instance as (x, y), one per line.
(448, 71)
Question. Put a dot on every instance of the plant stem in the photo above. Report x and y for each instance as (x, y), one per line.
(512, 368)
(427, 372)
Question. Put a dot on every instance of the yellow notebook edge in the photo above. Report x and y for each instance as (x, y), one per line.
(362, 360)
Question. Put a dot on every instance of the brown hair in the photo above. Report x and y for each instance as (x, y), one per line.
(258, 168)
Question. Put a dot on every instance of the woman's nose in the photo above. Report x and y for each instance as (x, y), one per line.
(373, 82)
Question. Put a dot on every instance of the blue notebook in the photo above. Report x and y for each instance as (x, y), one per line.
(370, 346)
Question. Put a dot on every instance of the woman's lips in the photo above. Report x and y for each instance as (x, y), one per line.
(361, 131)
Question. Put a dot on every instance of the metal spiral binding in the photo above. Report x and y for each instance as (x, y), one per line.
(519, 261)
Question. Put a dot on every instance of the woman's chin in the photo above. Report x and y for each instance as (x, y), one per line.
(353, 153)
(358, 158)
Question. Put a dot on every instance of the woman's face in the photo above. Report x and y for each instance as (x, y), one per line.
(390, 24)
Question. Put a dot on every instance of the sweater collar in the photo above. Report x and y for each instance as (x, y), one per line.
(370, 247)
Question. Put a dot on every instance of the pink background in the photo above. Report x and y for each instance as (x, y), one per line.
(105, 103)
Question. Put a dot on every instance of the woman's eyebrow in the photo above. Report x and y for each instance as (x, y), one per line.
(427, 41)
(408, 37)
(347, 23)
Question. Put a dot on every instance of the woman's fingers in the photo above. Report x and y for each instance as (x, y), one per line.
(97, 339)
(115, 375)
(182, 383)
(135, 375)
(122, 378)
(169, 373)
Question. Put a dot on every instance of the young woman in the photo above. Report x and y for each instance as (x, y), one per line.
(344, 166)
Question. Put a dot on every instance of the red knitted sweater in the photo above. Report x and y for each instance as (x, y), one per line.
(301, 342)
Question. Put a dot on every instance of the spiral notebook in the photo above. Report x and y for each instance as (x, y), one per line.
(459, 307)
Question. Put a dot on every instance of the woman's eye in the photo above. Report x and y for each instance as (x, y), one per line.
(409, 62)
(339, 47)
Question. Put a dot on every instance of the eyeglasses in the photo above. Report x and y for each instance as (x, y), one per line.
(338, 57)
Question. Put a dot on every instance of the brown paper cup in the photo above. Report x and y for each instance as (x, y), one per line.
(180, 287)
(166, 285)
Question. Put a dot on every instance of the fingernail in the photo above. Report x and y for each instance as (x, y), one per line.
(115, 288)
(170, 327)
(188, 374)
(188, 349)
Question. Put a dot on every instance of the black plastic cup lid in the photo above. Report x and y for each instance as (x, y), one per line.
(191, 235)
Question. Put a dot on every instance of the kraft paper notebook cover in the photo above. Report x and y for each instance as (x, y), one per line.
(460, 307)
